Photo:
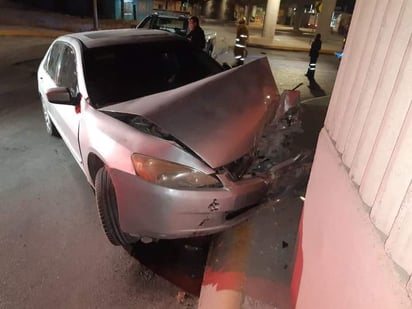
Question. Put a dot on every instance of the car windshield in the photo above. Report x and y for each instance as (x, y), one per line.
(175, 25)
(119, 73)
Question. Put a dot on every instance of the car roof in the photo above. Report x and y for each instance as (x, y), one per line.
(171, 14)
(101, 38)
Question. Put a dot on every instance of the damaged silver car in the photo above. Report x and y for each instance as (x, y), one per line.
(166, 137)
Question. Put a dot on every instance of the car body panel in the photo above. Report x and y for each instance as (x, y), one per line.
(114, 142)
(178, 213)
(93, 39)
(213, 122)
(64, 117)
(232, 116)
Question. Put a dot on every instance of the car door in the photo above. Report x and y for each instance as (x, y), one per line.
(47, 73)
(60, 71)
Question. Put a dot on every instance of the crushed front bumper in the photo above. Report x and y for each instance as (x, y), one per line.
(149, 210)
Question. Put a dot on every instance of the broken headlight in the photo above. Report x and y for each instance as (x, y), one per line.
(172, 175)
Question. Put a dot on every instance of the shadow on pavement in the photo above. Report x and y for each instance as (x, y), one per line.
(315, 88)
(181, 261)
(313, 116)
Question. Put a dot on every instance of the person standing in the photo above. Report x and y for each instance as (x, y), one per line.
(196, 34)
(314, 54)
(242, 36)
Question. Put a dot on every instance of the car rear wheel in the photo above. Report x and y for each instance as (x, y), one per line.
(50, 127)
(107, 207)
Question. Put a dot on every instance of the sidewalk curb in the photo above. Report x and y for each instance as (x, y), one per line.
(289, 48)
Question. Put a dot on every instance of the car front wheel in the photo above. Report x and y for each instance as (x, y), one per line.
(107, 207)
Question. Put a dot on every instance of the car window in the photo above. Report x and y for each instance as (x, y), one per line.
(67, 76)
(119, 73)
(52, 63)
(145, 23)
(175, 25)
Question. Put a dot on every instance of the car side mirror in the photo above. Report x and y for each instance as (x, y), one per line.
(60, 95)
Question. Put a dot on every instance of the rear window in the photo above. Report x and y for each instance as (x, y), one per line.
(115, 74)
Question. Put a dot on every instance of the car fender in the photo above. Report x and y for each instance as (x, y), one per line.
(114, 141)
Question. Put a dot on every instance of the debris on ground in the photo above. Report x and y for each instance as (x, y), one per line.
(180, 297)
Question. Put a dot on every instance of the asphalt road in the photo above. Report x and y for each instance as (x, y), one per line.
(53, 252)
(288, 67)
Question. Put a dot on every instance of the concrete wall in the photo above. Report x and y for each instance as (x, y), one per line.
(356, 245)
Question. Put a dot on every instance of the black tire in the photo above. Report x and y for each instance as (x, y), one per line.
(107, 207)
(50, 127)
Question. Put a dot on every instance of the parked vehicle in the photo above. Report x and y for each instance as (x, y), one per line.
(175, 22)
(165, 136)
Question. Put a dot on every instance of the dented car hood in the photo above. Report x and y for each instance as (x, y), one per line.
(220, 118)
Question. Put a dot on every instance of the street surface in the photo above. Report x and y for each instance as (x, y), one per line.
(53, 252)
(288, 68)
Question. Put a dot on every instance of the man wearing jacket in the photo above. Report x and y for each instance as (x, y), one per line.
(314, 54)
(196, 35)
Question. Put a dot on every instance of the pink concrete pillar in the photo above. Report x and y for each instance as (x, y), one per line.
(335, 107)
(377, 48)
(345, 96)
(396, 103)
(344, 262)
(399, 243)
(391, 62)
(393, 149)
(367, 35)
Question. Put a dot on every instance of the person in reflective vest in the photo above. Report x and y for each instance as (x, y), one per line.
(314, 54)
(242, 36)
